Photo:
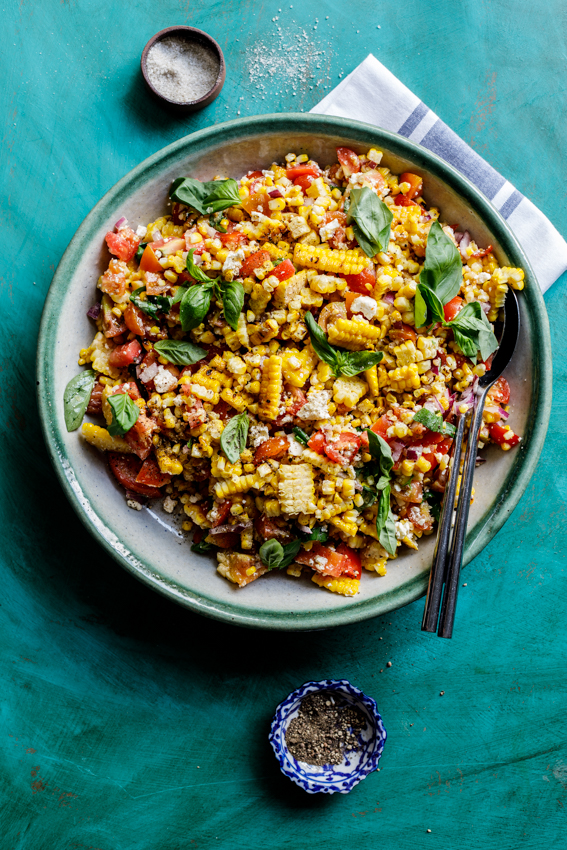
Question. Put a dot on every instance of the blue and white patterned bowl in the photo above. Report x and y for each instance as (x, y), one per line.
(336, 778)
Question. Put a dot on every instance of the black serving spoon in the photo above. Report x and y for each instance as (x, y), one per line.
(448, 556)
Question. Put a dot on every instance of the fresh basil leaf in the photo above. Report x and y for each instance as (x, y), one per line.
(232, 302)
(420, 309)
(487, 341)
(195, 305)
(181, 290)
(385, 525)
(322, 347)
(215, 221)
(179, 352)
(147, 307)
(434, 422)
(316, 535)
(277, 262)
(473, 331)
(76, 398)
(201, 547)
(371, 219)
(383, 481)
(164, 302)
(354, 362)
(140, 251)
(300, 436)
(467, 343)
(443, 268)
(221, 195)
(188, 190)
(434, 501)
(194, 270)
(233, 438)
(381, 451)
(271, 554)
(124, 414)
(290, 551)
(434, 307)
(210, 197)
(369, 496)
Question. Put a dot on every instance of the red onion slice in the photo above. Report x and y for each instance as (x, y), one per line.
(94, 312)
(464, 244)
(275, 193)
(148, 373)
(503, 413)
(414, 453)
(223, 529)
(397, 449)
(122, 222)
(388, 297)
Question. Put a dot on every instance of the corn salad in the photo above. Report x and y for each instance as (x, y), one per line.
(303, 490)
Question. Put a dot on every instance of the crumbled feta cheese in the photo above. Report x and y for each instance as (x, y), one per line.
(169, 504)
(141, 231)
(317, 405)
(269, 174)
(258, 434)
(328, 229)
(319, 562)
(136, 506)
(482, 277)
(234, 260)
(403, 528)
(164, 381)
(365, 305)
(295, 447)
(258, 216)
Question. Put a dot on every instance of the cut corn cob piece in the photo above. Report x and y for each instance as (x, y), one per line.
(354, 334)
(297, 365)
(349, 391)
(271, 387)
(371, 376)
(101, 439)
(296, 490)
(238, 485)
(344, 586)
(329, 260)
(348, 528)
(404, 378)
(315, 459)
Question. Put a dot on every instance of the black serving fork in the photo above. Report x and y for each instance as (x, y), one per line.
(448, 555)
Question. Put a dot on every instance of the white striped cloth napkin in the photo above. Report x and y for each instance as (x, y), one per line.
(373, 94)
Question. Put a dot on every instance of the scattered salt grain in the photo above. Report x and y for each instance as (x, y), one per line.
(181, 70)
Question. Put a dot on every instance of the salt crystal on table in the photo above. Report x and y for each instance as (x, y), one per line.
(180, 69)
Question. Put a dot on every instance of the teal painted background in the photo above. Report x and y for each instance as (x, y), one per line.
(127, 723)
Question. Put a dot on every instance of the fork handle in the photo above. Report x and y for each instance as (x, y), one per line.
(438, 567)
(454, 570)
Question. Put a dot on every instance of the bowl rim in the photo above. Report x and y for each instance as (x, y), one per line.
(512, 487)
(281, 751)
(201, 35)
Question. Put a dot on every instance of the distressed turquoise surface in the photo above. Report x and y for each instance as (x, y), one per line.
(127, 723)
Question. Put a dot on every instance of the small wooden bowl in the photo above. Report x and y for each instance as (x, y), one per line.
(190, 34)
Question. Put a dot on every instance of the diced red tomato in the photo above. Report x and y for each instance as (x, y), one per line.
(380, 427)
(169, 246)
(94, 406)
(126, 469)
(304, 181)
(296, 171)
(222, 512)
(123, 244)
(196, 247)
(151, 475)
(375, 179)
(112, 326)
(233, 240)
(420, 518)
(349, 161)
(273, 447)
(500, 392)
(352, 566)
(254, 261)
(257, 202)
(482, 252)
(317, 442)
(298, 399)
(344, 449)
(403, 201)
(362, 283)
(254, 174)
(226, 540)
(415, 181)
(113, 281)
(452, 307)
(122, 356)
(284, 270)
(439, 447)
(139, 437)
(222, 409)
(137, 322)
(149, 262)
(401, 331)
(499, 433)
(130, 387)
(268, 530)
(334, 561)
(156, 284)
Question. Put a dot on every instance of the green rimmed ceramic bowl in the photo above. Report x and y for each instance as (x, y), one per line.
(149, 543)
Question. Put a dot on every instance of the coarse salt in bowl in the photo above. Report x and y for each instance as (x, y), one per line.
(356, 764)
(183, 67)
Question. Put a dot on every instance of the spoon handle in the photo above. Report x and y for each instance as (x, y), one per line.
(454, 570)
(438, 567)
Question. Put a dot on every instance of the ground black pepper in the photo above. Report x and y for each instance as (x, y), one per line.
(325, 728)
